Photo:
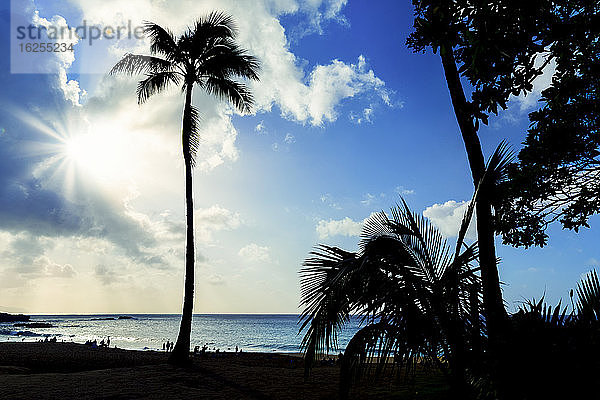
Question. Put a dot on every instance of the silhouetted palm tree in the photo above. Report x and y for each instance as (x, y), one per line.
(418, 298)
(412, 291)
(208, 56)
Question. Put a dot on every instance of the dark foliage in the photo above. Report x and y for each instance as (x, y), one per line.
(558, 174)
(494, 43)
(549, 353)
(418, 300)
(488, 50)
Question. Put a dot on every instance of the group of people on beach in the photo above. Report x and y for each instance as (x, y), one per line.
(217, 351)
(168, 346)
(47, 340)
(94, 343)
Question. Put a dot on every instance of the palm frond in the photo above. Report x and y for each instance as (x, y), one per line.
(496, 168)
(227, 60)
(376, 225)
(381, 336)
(226, 89)
(588, 298)
(191, 134)
(216, 24)
(546, 316)
(324, 295)
(465, 223)
(155, 83)
(132, 64)
(162, 41)
(207, 34)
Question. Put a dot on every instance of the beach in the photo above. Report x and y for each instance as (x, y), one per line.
(69, 370)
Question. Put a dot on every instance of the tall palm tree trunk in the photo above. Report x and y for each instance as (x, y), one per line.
(492, 296)
(181, 351)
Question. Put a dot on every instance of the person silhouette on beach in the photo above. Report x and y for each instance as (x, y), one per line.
(108, 342)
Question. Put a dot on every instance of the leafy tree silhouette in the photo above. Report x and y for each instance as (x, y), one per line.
(493, 46)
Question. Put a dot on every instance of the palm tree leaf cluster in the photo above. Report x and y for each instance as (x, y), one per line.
(206, 55)
(412, 293)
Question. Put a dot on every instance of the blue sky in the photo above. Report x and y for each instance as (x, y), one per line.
(347, 119)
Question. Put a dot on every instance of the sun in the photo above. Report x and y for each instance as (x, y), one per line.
(100, 153)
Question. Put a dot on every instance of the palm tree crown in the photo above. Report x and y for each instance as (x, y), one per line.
(205, 55)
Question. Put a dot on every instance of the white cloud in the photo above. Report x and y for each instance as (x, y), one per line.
(330, 84)
(217, 218)
(340, 227)
(448, 217)
(255, 253)
(304, 96)
(51, 269)
(62, 60)
(212, 219)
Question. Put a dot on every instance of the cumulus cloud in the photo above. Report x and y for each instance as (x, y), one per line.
(212, 219)
(307, 97)
(59, 62)
(447, 217)
(24, 257)
(52, 269)
(255, 253)
(318, 13)
(317, 101)
(340, 227)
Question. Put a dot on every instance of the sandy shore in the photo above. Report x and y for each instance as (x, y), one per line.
(69, 371)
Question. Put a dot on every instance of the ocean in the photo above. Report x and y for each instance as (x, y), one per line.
(250, 332)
